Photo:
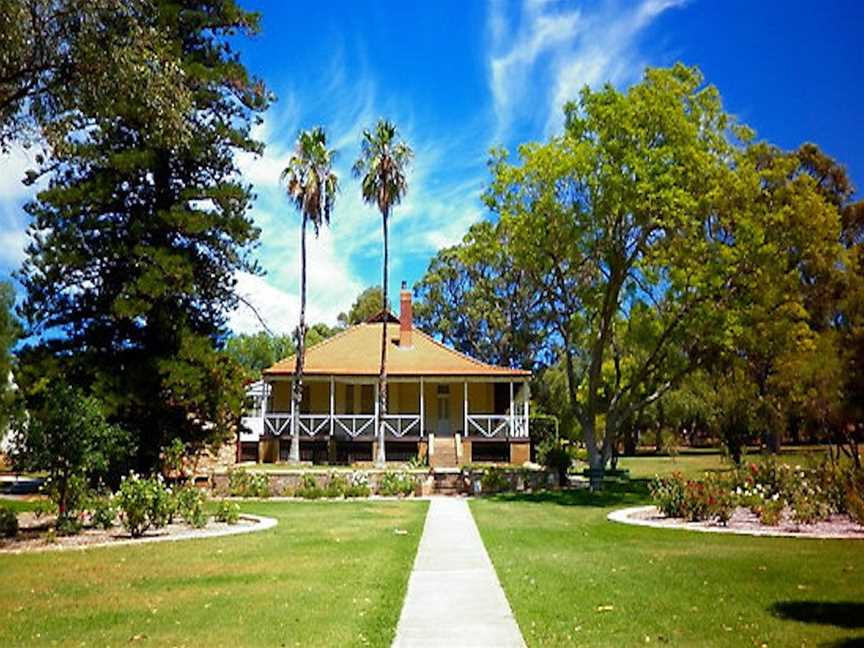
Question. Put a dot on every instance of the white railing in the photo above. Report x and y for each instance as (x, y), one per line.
(401, 424)
(277, 424)
(497, 425)
(312, 424)
(354, 424)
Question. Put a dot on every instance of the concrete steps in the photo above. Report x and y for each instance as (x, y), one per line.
(447, 482)
(444, 455)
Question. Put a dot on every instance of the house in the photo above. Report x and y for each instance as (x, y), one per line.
(441, 404)
(252, 422)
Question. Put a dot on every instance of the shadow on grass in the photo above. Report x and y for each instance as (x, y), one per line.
(625, 493)
(843, 614)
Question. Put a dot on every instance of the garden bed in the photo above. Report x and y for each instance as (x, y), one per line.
(744, 522)
(35, 533)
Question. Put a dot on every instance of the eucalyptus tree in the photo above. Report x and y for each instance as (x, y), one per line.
(382, 168)
(311, 185)
(655, 237)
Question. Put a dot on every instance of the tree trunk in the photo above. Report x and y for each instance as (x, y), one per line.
(297, 391)
(381, 458)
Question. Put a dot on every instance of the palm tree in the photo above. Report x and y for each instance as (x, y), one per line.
(311, 186)
(381, 167)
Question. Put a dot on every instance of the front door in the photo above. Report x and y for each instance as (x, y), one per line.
(442, 426)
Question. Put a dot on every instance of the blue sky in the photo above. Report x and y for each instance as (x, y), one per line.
(461, 76)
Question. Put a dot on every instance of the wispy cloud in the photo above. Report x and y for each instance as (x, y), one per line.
(542, 58)
(443, 199)
(13, 194)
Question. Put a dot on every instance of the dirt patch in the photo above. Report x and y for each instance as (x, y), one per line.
(744, 522)
(34, 534)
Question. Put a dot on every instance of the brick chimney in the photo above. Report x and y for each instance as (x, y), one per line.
(405, 317)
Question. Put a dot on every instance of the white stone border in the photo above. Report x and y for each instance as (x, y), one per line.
(623, 516)
(261, 524)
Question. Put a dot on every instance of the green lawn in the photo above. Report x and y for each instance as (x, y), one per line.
(330, 574)
(694, 463)
(575, 579)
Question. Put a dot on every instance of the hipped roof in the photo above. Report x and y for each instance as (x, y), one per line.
(357, 352)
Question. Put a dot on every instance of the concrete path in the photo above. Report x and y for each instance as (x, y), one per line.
(454, 597)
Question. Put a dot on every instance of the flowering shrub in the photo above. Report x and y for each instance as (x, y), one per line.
(855, 496)
(337, 486)
(309, 488)
(190, 505)
(143, 503)
(358, 485)
(102, 509)
(246, 484)
(494, 480)
(396, 483)
(769, 490)
(770, 511)
(668, 494)
(227, 512)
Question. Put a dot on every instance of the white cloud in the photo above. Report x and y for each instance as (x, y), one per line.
(563, 50)
(443, 199)
(13, 194)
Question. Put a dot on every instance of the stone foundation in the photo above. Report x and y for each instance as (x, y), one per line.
(426, 482)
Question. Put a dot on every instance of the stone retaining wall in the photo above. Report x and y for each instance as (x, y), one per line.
(469, 479)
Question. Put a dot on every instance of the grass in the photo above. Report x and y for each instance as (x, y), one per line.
(18, 505)
(575, 579)
(331, 573)
(694, 463)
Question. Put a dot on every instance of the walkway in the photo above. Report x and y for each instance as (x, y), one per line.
(454, 597)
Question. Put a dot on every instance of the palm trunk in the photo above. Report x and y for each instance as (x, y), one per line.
(381, 458)
(297, 392)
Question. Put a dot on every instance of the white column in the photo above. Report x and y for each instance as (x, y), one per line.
(376, 411)
(511, 408)
(422, 413)
(292, 410)
(465, 408)
(332, 403)
(525, 407)
(264, 391)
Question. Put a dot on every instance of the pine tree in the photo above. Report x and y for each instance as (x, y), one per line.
(136, 241)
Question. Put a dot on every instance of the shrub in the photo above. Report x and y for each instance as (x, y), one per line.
(337, 486)
(668, 494)
(8, 523)
(855, 496)
(695, 501)
(358, 485)
(70, 439)
(246, 484)
(190, 505)
(396, 483)
(144, 503)
(555, 456)
(44, 507)
(227, 512)
(309, 488)
(68, 525)
(771, 511)
(102, 509)
(720, 500)
(494, 480)
(173, 458)
(697, 506)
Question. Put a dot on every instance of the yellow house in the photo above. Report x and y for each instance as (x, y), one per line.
(440, 403)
